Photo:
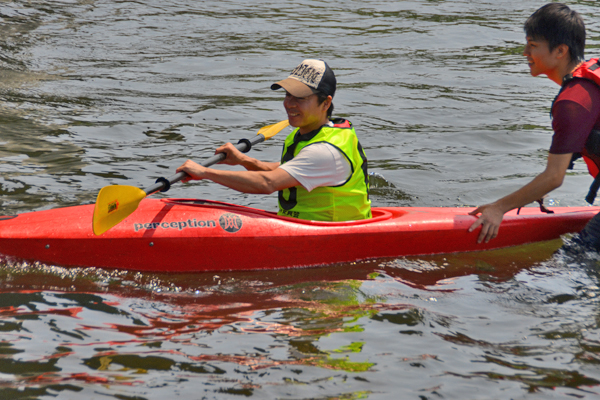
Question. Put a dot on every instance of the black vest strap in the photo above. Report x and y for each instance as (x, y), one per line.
(593, 147)
(542, 207)
(574, 157)
(591, 196)
(289, 154)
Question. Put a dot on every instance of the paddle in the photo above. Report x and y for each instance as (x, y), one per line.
(117, 202)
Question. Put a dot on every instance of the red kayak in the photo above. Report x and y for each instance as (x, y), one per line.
(185, 235)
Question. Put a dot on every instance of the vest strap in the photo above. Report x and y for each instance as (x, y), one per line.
(542, 207)
(591, 196)
(574, 157)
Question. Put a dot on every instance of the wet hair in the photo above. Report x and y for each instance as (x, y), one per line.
(321, 97)
(558, 24)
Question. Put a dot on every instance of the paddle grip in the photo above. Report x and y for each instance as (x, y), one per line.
(164, 184)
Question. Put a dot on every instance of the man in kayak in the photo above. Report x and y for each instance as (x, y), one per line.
(323, 170)
(555, 47)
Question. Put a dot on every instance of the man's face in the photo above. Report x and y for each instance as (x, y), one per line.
(539, 57)
(305, 112)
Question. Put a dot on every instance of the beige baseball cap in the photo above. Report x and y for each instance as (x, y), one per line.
(311, 76)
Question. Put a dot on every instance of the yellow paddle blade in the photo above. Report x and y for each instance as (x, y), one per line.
(271, 130)
(113, 205)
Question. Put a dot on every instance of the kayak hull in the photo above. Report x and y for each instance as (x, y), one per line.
(184, 235)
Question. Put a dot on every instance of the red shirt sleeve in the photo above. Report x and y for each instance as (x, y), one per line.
(575, 113)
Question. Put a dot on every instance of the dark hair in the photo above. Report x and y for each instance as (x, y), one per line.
(321, 97)
(558, 24)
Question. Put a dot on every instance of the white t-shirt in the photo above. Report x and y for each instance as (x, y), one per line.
(319, 164)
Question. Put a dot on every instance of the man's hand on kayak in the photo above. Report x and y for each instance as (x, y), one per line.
(490, 218)
(491, 214)
(194, 170)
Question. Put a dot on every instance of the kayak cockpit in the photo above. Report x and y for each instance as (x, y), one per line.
(379, 214)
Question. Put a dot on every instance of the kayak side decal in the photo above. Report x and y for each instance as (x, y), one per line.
(180, 225)
(230, 222)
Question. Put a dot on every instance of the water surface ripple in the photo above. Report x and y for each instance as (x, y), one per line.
(97, 92)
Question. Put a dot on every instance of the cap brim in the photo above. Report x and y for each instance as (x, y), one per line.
(294, 87)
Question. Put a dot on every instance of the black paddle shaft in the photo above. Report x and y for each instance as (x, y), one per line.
(164, 184)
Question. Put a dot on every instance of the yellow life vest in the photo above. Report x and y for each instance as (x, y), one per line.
(346, 202)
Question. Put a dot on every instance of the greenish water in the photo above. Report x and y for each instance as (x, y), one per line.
(94, 93)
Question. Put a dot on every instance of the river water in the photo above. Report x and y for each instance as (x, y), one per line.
(94, 93)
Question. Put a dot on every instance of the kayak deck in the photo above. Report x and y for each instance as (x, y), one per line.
(187, 235)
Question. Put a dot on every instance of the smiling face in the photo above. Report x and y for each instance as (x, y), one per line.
(305, 112)
(540, 59)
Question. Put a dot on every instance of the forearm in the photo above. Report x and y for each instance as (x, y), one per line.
(491, 214)
(254, 182)
(242, 181)
(534, 190)
(252, 164)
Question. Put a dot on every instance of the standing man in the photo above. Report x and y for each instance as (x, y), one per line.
(555, 37)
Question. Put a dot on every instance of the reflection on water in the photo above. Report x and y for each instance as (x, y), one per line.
(100, 92)
(341, 330)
